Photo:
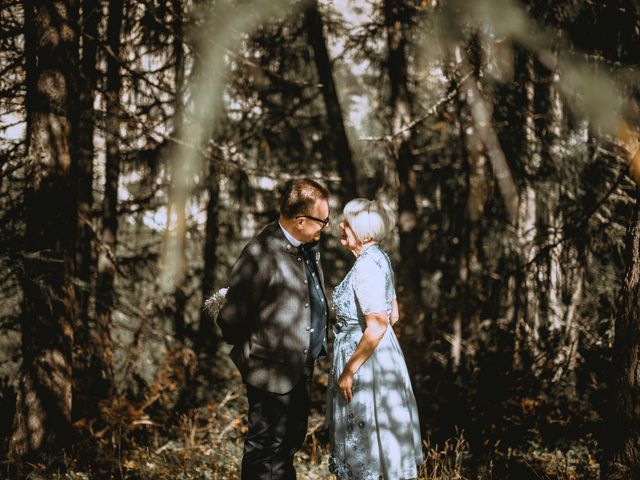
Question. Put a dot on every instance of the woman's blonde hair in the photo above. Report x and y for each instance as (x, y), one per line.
(369, 219)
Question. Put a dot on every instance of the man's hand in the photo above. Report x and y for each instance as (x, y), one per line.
(345, 385)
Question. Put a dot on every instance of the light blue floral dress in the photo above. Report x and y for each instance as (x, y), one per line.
(377, 435)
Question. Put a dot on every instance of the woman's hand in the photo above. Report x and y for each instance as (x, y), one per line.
(373, 333)
(345, 385)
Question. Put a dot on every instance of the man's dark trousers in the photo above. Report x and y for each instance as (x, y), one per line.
(277, 427)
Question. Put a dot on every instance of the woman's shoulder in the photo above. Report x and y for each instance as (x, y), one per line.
(374, 258)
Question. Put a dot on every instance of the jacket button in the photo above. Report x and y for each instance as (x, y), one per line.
(305, 351)
(299, 259)
(306, 305)
(308, 329)
(305, 282)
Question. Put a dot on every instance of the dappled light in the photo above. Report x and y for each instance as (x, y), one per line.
(152, 303)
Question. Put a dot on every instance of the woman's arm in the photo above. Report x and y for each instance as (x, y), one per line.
(373, 333)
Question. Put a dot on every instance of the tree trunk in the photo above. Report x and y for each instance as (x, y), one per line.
(527, 225)
(338, 138)
(180, 328)
(409, 275)
(478, 189)
(481, 113)
(563, 269)
(180, 298)
(44, 399)
(623, 455)
(207, 339)
(91, 14)
(622, 448)
(528, 315)
(522, 303)
(105, 292)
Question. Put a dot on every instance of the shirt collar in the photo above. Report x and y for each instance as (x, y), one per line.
(292, 240)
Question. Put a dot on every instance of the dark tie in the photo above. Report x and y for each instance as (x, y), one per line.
(307, 251)
(303, 252)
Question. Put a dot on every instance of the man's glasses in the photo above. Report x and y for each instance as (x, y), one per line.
(324, 222)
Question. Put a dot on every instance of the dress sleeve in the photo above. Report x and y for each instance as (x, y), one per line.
(369, 286)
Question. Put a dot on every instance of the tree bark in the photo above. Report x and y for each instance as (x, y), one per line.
(180, 298)
(527, 226)
(338, 139)
(563, 269)
(409, 275)
(622, 448)
(91, 14)
(623, 455)
(105, 291)
(207, 338)
(44, 400)
(477, 186)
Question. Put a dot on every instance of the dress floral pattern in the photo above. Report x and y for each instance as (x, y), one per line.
(377, 435)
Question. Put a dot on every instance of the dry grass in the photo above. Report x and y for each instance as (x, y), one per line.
(149, 439)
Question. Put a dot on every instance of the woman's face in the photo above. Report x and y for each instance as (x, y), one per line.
(348, 238)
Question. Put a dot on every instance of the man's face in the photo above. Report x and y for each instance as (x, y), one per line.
(310, 226)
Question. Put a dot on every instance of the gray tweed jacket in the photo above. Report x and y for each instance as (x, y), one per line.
(266, 314)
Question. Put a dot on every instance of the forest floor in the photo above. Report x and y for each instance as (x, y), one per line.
(156, 438)
(209, 440)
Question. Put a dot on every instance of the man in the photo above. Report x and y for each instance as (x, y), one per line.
(275, 316)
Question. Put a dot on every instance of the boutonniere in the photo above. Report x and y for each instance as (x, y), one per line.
(213, 304)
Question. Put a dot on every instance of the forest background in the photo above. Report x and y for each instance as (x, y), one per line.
(145, 142)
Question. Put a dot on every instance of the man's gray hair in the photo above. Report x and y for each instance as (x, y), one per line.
(300, 195)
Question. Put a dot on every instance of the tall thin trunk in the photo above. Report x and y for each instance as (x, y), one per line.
(566, 355)
(527, 225)
(482, 115)
(409, 275)
(105, 292)
(547, 127)
(564, 269)
(207, 339)
(44, 399)
(623, 445)
(522, 305)
(91, 14)
(179, 286)
(528, 315)
(338, 138)
(460, 308)
(477, 185)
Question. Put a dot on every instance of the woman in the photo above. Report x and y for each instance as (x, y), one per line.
(371, 412)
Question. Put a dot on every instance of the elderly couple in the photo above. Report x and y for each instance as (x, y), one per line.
(275, 314)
